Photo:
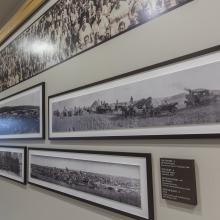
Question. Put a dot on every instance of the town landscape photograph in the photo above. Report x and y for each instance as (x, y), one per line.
(117, 182)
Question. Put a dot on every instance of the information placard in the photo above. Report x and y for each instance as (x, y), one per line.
(178, 182)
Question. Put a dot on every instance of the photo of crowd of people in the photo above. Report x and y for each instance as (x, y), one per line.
(12, 163)
(70, 27)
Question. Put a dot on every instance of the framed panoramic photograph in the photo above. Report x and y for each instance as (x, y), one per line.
(22, 114)
(70, 27)
(13, 163)
(179, 99)
(120, 182)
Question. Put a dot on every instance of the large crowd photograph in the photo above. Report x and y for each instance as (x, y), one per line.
(117, 184)
(140, 105)
(12, 163)
(21, 115)
(70, 27)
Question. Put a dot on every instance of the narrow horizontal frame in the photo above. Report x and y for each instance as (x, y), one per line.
(100, 43)
(176, 61)
(147, 156)
(24, 167)
(42, 114)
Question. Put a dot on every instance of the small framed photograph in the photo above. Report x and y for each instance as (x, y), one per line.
(22, 114)
(13, 161)
(121, 182)
(150, 102)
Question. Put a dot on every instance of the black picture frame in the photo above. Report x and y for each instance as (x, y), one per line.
(96, 159)
(190, 128)
(12, 174)
(25, 119)
(36, 67)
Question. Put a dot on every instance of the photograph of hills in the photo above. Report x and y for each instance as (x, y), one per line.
(20, 114)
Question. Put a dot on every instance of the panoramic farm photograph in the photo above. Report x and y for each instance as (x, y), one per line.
(187, 97)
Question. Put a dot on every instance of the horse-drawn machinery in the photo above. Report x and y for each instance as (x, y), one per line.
(198, 97)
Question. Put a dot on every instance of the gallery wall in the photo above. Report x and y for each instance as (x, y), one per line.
(187, 29)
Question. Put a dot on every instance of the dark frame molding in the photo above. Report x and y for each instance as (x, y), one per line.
(131, 28)
(42, 84)
(24, 165)
(131, 73)
(149, 179)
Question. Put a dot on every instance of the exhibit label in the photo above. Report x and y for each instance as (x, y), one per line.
(178, 182)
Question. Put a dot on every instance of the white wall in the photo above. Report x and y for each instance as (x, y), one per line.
(190, 28)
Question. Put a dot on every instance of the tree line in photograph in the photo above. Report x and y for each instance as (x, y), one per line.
(19, 119)
(70, 27)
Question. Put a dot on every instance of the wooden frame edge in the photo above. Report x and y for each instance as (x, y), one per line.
(23, 13)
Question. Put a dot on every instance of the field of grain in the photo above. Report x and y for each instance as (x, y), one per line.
(197, 115)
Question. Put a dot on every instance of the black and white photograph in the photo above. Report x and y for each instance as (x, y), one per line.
(70, 27)
(13, 163)
(117, 181)
(164, 101)
(22, 114)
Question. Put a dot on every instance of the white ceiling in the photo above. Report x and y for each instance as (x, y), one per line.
(8, 8)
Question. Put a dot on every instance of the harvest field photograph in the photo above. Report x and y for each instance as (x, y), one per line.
(169, 100)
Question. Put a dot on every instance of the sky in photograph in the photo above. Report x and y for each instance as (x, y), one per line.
(207, 77)
(30, 99)
(130, 171)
